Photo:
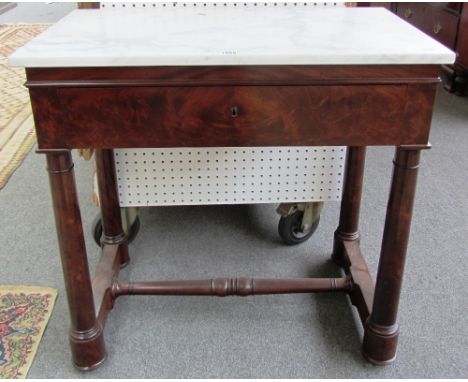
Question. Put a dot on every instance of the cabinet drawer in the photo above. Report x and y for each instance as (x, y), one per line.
(230, 116)
(220, 116)
(436, 22)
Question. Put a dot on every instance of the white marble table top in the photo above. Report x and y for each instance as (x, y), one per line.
(230, 36)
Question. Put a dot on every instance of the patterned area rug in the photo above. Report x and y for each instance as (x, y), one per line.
(17, 135)
(24, 313)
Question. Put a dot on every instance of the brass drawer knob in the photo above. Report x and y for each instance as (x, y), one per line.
(408, 13)
(437, 28)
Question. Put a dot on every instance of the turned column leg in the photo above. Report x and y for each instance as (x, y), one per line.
(348, 228)
(86, 337)
(112, 230)
(381, 329)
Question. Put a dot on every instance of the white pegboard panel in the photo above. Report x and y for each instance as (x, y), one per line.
(189, 176)
(214, 4)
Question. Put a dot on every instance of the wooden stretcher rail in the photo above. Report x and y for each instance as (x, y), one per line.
(232, 286)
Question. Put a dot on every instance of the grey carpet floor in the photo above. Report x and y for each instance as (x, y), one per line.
(275, 336)
(308, 336)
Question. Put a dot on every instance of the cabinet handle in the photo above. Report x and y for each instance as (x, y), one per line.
(408, 13)
(437, 28)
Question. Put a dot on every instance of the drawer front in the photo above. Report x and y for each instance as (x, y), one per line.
(234, 116)
(436, 22)
(454, 7)
(412, 13)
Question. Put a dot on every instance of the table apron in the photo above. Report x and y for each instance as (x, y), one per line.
(230, 116)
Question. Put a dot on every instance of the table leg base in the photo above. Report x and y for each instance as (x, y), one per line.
(88, 349)
(380, 343)
(92, 367)
(376, 362)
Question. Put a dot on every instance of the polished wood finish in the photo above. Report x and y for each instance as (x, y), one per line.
(242, 286)
(362, 292)
(86, 337)
(270, 75)
(275, 106)
(112, 230)
(381, 330)
(107, 271)
(356, 106)
(88, 5)
(348, 227)
(200, 117)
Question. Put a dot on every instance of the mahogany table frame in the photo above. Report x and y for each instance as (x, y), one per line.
(354, 106)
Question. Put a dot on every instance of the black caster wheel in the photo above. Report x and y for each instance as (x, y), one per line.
(289, 228)
(97, 230)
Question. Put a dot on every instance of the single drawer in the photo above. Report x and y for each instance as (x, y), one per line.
(227, 116)
(434, 21)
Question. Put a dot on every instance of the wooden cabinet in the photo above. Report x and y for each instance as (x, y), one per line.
(448, 24)
(438, 22)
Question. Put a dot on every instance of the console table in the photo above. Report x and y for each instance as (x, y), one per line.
(204, 76)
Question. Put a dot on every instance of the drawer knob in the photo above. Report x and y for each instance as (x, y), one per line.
(408, 13)
(234, 111)
(437, 28)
